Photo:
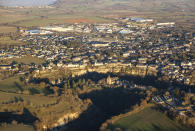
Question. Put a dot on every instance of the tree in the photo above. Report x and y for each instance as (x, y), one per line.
(68, 84)
(65, 86)
(14, 122)
(42, 85)
(56, 90)
(117, 129)
(74, 85)
(177, 93)
(14, 62)
(167, 93)
(143, 102)
(193, 99)
(4, 124)
(153, 89)
(148, 92)
(21, 78)
(83, 82)
(47, 91)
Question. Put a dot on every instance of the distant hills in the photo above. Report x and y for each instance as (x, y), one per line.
(126, 5)
(106, 6)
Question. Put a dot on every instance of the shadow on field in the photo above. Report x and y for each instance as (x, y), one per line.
(26, 117)
(106, 103)
(18, 86)
(147, 80)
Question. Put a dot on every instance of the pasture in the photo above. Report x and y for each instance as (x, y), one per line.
(8, 41)
(148, 119)
(28, 60)
(7, 29)
(25, 59)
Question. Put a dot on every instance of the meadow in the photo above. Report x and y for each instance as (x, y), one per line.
(20, 127)
(7, 29)
(15, 85)
(12, 84)
(27, 60)
(35, 99)
(48, 109)
(32, 17)
(8, 41)
(147, 119)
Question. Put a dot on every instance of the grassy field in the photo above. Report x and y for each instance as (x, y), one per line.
(17, 128)
(8, 41)
(28, 17)
(147, 120)
(60, 20)
(7, 29)
(42, 17)
(35, 99)
(13, 84)
(46, 108)
(25, 60)
(28, 60)
(14, 15)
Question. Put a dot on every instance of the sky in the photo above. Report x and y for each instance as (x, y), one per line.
(25, 2)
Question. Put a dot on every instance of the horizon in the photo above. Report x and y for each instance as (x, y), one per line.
(20, 3)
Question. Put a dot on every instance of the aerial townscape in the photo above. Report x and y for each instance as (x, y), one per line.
(91, 65)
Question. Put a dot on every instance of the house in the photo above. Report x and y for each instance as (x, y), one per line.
(125, 31)
(99, 43)
(165, 24)
(141, 66)
(126, 54)
(5, 67)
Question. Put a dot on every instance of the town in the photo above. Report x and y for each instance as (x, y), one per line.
(134, 46)
(134, 42)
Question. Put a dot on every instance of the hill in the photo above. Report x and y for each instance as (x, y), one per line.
(147, 119)
(126, 5)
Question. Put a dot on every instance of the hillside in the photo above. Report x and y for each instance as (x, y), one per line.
(147, 119)
(126, 5)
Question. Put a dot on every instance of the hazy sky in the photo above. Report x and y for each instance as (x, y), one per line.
(25, 2)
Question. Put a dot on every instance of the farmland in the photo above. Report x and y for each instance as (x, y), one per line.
(32, 17)
(14, 84)
(147, 119)
(8, 41)
(17, 127)
(92, 12)
(7, 29)
(27, 60)
(41, 107)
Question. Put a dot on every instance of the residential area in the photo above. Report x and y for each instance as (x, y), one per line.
(133, 42)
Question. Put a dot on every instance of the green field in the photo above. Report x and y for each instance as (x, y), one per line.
(46, 108)
(7, 29)
(25, 17)
(29, 60)
(26, 60)
(17, 128)
(8, 41)
(91, 13)
(14, 85)
(60, 19)
(147, 120)
(35, 99)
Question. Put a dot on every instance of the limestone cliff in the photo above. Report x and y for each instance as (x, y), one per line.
(62, 121)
